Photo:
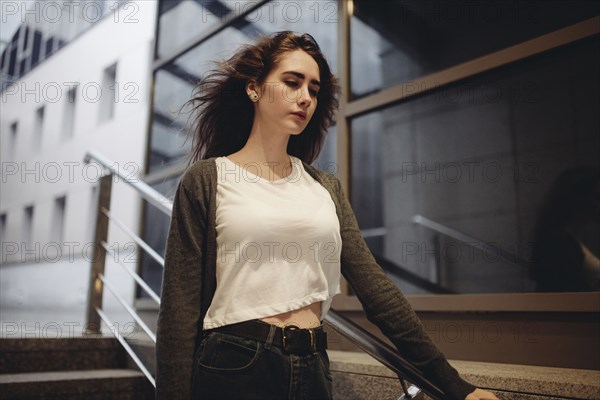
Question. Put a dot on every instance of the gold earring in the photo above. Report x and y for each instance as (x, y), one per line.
(254, 97)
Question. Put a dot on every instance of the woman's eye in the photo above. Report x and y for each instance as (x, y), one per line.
(294, 84)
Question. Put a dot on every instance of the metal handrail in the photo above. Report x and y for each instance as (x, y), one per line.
(463, 237)
(145, 190)
(135, 276)
(372, 345)
(141, 242)
(127, 347)
(382, 352)
(401, 272)
(128, 308)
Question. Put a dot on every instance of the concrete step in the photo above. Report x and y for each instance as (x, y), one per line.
(62, 354)
(358, 376)
(530, 382)
(115, 384)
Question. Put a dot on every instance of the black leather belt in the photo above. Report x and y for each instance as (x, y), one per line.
(291, 338)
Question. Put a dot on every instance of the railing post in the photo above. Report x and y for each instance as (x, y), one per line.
(97, 267)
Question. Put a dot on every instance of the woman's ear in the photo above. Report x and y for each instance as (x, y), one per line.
(253, 91)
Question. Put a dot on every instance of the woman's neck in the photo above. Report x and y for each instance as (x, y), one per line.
(269, 154)
(265, 149)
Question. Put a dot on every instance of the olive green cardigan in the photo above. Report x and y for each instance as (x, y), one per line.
(189, 283)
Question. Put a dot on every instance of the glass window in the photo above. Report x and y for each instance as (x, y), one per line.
(57, 229)
(327, 159)
(38, 128)
(3, 230)
(69, 113)
(22, 66)
(109, 93)
(37, 46)
(318, 18)
(4, 58)
(12, 61)
(409, 39)
(12, 146)
(197, 61)
(175, 82)
(182, 20)
(25, 42)
(27, 230)
(49, 46)
(488, 185)
(168, 140)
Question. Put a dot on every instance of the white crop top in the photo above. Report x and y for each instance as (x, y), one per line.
(278, 244)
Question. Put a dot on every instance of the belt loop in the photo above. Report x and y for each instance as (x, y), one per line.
(270, 337)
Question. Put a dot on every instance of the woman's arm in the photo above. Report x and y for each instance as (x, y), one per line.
(386, 307)
(179, 313)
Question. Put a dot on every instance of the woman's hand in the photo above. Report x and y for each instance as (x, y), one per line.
(479, 394)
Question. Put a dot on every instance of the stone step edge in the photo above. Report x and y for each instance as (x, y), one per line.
(16, 345)
(56, 376)
(550, 381)
(107, 383)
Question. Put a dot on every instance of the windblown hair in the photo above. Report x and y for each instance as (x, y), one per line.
(222, 114)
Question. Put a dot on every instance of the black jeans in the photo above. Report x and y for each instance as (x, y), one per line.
(233, 367)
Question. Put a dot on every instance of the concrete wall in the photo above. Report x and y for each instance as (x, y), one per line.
(567, 340)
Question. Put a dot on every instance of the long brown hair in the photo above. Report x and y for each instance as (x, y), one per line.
(222, 114)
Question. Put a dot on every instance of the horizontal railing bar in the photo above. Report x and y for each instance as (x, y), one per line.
(469, 240)
(401, 272)
(135, 237)
(383, 353)
(130, 310)
(373, 232)
(147, 192)
(128, 348)
(135, 276)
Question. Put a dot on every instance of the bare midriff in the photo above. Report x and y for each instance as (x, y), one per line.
(305, 317)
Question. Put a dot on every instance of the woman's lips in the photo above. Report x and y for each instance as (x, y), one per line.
(300, 116)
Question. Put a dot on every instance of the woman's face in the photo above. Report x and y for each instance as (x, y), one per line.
(288, 97)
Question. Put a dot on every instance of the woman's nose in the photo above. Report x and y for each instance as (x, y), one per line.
(304, 97)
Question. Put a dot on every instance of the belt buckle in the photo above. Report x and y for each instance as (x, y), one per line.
(285, 335)
(313, 342)
(311, 332)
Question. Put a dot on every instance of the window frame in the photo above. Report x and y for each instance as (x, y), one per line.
(348, 109)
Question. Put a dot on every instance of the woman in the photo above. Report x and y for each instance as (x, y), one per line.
(259, 239)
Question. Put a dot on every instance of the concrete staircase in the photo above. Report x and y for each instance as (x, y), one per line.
(74, 368)
(98, 368)
(358, 376)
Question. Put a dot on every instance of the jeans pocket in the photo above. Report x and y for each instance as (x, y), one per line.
(197, 353)
(226, 353)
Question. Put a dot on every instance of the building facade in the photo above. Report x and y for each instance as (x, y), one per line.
(91, 92)
(460, 125)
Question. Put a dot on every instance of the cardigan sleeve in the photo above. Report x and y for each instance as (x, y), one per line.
(387, 308)
(179, 311)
